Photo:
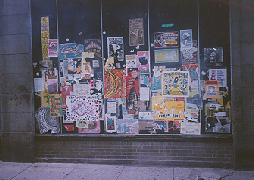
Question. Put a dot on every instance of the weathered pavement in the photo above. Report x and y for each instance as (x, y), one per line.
(72, 171)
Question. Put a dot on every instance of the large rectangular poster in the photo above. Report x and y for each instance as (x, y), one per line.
(220, 75)
(71, 50)
(83, 108)
(127, 126)
(113, 83)
(169, 111)
(175, 83)
(44, 36)
(166, 39)
(136, 32)
(190, 55)
(166, 55)
(115, 48)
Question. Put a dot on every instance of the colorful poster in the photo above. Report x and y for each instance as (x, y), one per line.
(71, 50)
(44, 37)
(55, 102)
(212, 89)
(213, 56)
(190, 55)
(131, 61)
(166, 39)
(132, 90)
(143, 61)
(190, 128)
(93, 127)
(115, 48)
(169, 111)
(174, 127)
(220, 75)
(194, 74)
(186, 38)
(110, 123)
(175, 83)
(66, 90)
(113, 83)
(136, 32)
(160, 127)
(127, 126)
(53, 48)
(83, 108)
(166, 55)
(73, 66)
(93, 46)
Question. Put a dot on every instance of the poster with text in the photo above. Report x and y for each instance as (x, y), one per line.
(113, 83)
(115, 48)
(166, 39)
(190, 128)
(186, 38)
(220, 75)
(83, 108)
(190, 55)
(143, 61)
(131, 61)
(136, 32)
(175, 83)
(53, 48)
(166, 55)
(169, 111)
(71, 50)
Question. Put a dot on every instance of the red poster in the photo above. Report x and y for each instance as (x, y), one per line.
(113, 83)
(52, 48)
(132, 90)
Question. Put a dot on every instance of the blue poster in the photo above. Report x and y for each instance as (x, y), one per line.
(186, 38)
(71, 50)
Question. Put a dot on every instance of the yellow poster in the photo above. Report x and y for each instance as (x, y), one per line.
(44, 36)
(169, 111)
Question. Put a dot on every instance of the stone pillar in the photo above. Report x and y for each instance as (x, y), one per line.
(242, 44)
(16, 78)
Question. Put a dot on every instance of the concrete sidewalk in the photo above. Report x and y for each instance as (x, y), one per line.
(71, 171)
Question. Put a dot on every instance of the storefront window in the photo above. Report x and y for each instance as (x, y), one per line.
(131, 66)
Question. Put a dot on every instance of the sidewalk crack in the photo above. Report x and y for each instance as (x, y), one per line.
(120, 173)
(22, 171)
(70, 172)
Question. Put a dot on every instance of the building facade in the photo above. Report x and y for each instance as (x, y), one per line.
(157, 35)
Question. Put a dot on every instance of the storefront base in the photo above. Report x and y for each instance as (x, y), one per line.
(211, 152)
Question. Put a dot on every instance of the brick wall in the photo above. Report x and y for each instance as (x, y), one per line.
(202, 152)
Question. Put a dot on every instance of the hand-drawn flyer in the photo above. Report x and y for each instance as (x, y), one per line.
(71, 50)
(93, 46)
(220, 75)
(113, 83)
(136, 32)
(169, 111)
(83, 108)
(175, 83)
(166, 39)
(132, 90)
(127, 126)
(186, 38)
(115, 48)
(190, 55)
(143, 61)
(131, 61)
(213, 56)
(110, 123)
(166, 55)
(212, 89)
(53, 48)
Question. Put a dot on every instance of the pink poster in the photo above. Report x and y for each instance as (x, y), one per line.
(143, 61)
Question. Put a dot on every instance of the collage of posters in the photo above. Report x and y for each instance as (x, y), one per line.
(82, 90)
